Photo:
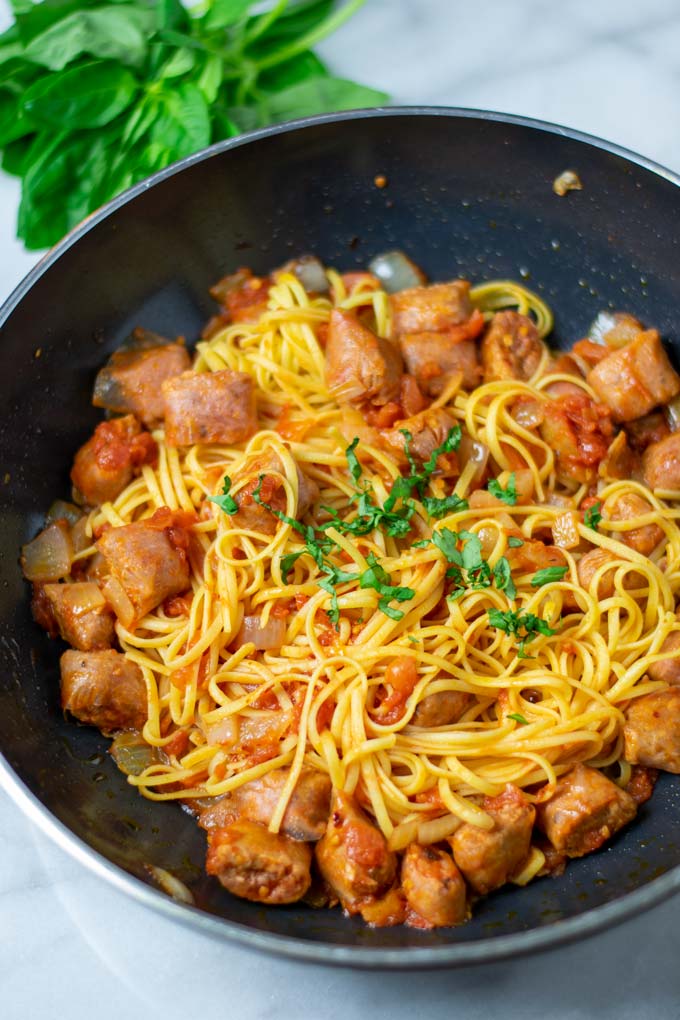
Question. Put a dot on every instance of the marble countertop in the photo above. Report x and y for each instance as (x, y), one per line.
(71, 943)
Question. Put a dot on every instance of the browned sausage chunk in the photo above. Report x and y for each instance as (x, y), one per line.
(352, 854)
(644, 539)
(84, 619)
(661, 463)
(431, 309)
(130, 382)
(511, 347)
(433, 886)
(651, 428)
(428, 430)
(104, 689)
(668, 670)
(252, 515)
(305, 818)
(148, 562)
(433, 358)
(488, 857)
(209, 407)
(652, 730)
(636, 378)
(109, 460)
(588, 566)
(259, 865)
(441, 709)
(361, 367)
(585, 811)
(579, 433)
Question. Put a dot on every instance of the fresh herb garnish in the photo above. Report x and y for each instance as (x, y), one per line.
(518, 718)
(515, 542)
(508, 494)
(469, 569)
(225, 501)
(520, 624)
(376, 577)
(439, 507)
(95, 96)
(592, 516)
(547, 575)
(352, 460)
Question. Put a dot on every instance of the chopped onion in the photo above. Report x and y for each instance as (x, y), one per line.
(116, 596)
(480, 499)
(403, 834)
(396, 271)
(524, 485)
(79, 597)
(171, 885)
(437, 829)
(310, 272)
(48, 557)
(79, 535)
(269, 635)
(555, 499)
(61, 510)
(565, 530)
(568, 180)
(221, 290)
(472, 451)
(528, 413)
(673, 414)
(614, 329)
(132, 754)
(223, 732)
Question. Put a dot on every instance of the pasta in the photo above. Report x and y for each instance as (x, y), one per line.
(324, 641)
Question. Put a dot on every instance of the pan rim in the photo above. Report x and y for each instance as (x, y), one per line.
(492, 949)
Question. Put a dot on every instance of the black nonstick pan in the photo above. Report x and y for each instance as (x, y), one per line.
(467, 194)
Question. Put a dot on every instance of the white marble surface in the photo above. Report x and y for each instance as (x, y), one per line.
(71, 946)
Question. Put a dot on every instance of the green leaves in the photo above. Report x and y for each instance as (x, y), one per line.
(225, 501)
(85, 97)
(97, 94)
(547, 575)
(520, 624)
(508, 494)
(592, 516)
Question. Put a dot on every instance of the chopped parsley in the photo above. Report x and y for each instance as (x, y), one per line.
(225, 501)
(520, 624)
(508, 494)
(518, 718)
(469, 569)
(547, 575)
(439, 507)
(592, 516)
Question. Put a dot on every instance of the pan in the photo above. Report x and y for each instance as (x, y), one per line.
(465, 194)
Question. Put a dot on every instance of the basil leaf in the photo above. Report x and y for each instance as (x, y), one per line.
(171, 14)
(319, 95)
(118, 33)
(183, 123)
(592, 516)
(515, 542)
(14, 156)
(440, 507)
(223, 13)
(88, 96)
(508, 494)
(181, 62)
(209, 81)
(548, 574)
(518, 718)
(352, 460)
(13, 122)
(291, 72)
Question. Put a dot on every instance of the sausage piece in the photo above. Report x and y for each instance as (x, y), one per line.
(588, 566)
(431, 309)
(259, 865)
(131, 380)
(668, 670)
(661, 463)
(585, 811)
(110, 459)
(104, 689)
(579, 432)
(651, 733)
(433, 886)
(209, 407)
(488, 857)
(252, 515)
(82, 623)
(511, 347)
(433, 358)
(643, 539)
(352, 854)
(441, 709)
(428, 430)
(635, 378)
(361, 367)
(148, 561)
(305, 818)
